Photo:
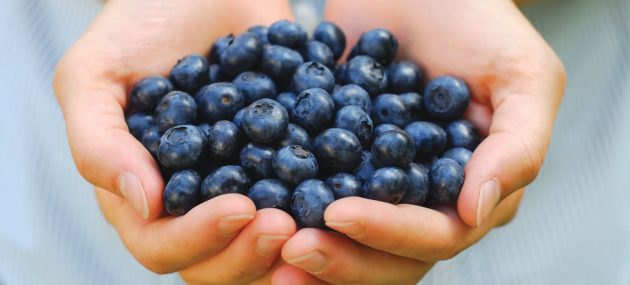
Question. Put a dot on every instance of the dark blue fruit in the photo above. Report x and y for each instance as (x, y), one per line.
(219, 101)
(270, 193)
(380, 44)
(414, 104)
(255, 86)
(337, 150)
(225, 139)
(447, 178)
(459, 154)
(365, 168)
(138, 122)
(279, 62)
(218, 47)
(190, 73)
(146, 94)
(181, 147)
(176, 108)
(355, 120)
(265, 121)
(367, 73)
(390, 109)
(404, 76)
(341, 74)
(313, 109)
(446, 98)
(462, 133)
(205, 129)
(430, 139)
(287, 33)
(238, 118)
(294, 164)
(287, 100)
(182, 192)
(241, 54)
(318, 52)
(226, 179)
(388, 184)
(151, 139)
(331, 35)
(214, 74)
(260, 32)
(352, 94)
(313, 75)
(256, 160)
(393, 148)
(309, 201)
(295, 135)
(382, 128)
(344, 185)
(419, 183)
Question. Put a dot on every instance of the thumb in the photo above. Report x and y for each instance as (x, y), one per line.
(104, 151)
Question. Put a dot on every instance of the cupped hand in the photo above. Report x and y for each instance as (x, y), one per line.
(517, 83)
(221, 241)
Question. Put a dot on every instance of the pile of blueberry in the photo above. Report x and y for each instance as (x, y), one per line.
(271, 115)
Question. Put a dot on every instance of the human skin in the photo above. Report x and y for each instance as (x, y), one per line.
(517, 83)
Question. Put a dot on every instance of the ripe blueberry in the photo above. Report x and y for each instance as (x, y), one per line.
(294, 164)
(380, 44)
(225, 140)
(462, 133)
(447, 178)
(352, 94)
(255, 86)
(390, 109)
(219, 101)
(446, 98)
(256, 160)
(270, 193)
(146, 94)
(226, 179)
(388, 184)
(459, 154)
(367, 73)
(287, 33)
(419, 182)
(181, 147)
(337, 150)
(265, 121)
(403, 76)
(182, 192)
(331, 35)
(355, 120)
(313, 75)
(176, 108)
(393, 148)
(313, 109)
(190, 73)
(429, 138)
(279, 62)
(309, 201)
(241, 54)
(344, 185)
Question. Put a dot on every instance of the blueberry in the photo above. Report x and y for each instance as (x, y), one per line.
(393, 148)
(318, 52)
(146, 94)
(309, 201)
(354, 52)
(138, 122)
(313, 75)
(214, 74)
(379, 44)
(382, 128)
(344, 185)
(241, 54)
(331, 35)
(430, 139)
(294, 164)
(459, 154)
(225, 139)
(419, 183)
(219, 101)
(352, 94)
(403, 76)
(341, 74)
(226, 179)
(287, 100)
(279, 62)
(205, 129)
(219, 46)
(414, 104)
(255, 86)
(295, 135)
(260, 32)
(181, 147)
(367, 73)
(256, 160)
(355, 120)
(182, 192)
(390, 109)
(176, 108)
(270, 193)
(447, 178)
(446, 98)
(462, 133)
(313, 110)
(190, 73)
(337, 150)
(365, 168)
(287, 33)
(238, 118)
(388, 184)
(151, 139)
(265, 121)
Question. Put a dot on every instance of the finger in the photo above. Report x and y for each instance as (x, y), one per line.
(408, 230)
(250, 255)
(291, 275)
(339, 260)
(172, 243)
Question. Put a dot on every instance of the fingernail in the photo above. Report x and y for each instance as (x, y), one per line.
(488, 200)
(313, 262)
(230, 225)
(351, 229)
(267, 245)
(130, 187)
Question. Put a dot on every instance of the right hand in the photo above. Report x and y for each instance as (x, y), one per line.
(221, 241)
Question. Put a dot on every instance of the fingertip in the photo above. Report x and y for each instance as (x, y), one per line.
(302, 243)
(275, 222)
(291, 275)
(346, 209)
